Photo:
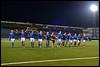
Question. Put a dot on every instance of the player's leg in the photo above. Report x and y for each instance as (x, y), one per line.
(59, 42)
(70, 43)
(74, 43)
(32, 42)
(52, 43)
(47, 43)
(62, 43)
(40, 43)
(24, 42)
(66, 42)
(12, 41)
(84, 42)
(78, 42)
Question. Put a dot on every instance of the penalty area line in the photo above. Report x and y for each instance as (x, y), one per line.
(48, 60)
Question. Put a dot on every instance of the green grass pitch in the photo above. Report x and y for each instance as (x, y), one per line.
(18, 54)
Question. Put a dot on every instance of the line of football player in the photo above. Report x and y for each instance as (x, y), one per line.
(63, 39)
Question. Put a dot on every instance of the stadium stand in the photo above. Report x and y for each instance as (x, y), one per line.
(7, 25)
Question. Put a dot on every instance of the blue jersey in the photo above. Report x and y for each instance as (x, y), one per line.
(31, 35)
(12, 35)
(79, 38)
(48, 37)
(75, 37)
(23, 34)
(67, 37)
(84, 37)
(63, 37)
(53, 37)
(70, 37)
(59, 36)
(39, 36)
(87, 37)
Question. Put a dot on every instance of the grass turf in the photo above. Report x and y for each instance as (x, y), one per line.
(18, 54)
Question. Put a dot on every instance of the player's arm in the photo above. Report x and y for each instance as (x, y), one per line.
(9, 38)
(19, 35)
(27, 29)
(56, 37)
(77, 37)
(45, 36)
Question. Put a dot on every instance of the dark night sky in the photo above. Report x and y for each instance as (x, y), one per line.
(71, 13)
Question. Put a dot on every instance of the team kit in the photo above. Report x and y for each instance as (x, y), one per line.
(63, 39)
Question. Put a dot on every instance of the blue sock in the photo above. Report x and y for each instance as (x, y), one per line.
(12, 44)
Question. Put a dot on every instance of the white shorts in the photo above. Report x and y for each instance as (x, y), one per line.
(67, 40)
(40, 40)
(22, 39)
(62, 40)
(83, 40)
(32, 39)
(12, 40)
(59, 40)
(74, 40)
(78, 41)
(70, 41)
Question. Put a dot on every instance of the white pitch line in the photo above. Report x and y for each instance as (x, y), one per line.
(48, 60)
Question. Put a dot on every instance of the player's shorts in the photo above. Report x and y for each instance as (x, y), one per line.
(59, 40)
(22, 39)
(74, 40)
(78, 41)
(62, 40)
(40, 40)
(83, 40)
(66, 39)
(12, 40)
(53, 41)
(70, 41)
(32, 39)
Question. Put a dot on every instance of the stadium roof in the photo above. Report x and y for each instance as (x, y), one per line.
(16, 22)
